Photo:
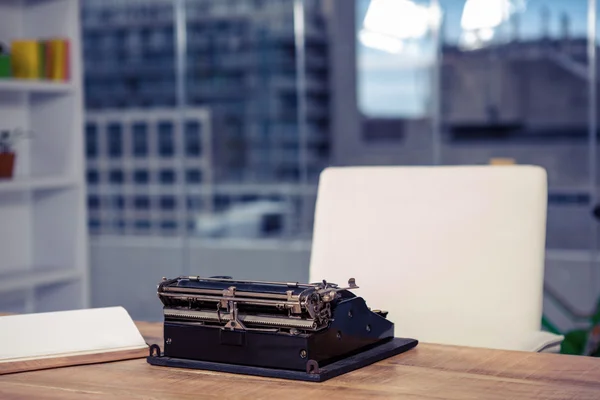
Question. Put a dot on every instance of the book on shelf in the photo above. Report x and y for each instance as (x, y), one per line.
(40, 59)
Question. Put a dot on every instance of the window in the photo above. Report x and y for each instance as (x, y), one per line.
(118, 202)
(91, 140)
(193, 176)
(93, 176)
(320, 150)
(116, 176)
(192, 138)
(221, 202)
(141, 176)
(140, 139)
(271, 224)
(94, 223)
(141, 202)
(93, 202)
(288, 173)
(166, 145)
(167, 176)
(195, 203)
(248, 198)
(168, 202)
(143, 224)
(382, 91)
(168, 224)
(115, 148)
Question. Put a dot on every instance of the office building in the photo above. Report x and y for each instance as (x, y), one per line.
(239, 64)
(144, 170)
(240, 68)
(522, 100)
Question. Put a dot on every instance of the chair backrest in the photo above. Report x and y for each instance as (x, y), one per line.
(455, 254)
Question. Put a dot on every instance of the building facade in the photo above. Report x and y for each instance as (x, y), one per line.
(239, 66)
(524, 100)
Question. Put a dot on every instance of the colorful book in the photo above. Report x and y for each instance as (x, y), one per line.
(41, 59)
(25, 59)
(57, 56)
(5, 66)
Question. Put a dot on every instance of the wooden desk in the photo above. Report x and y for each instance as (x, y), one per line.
(427, 372)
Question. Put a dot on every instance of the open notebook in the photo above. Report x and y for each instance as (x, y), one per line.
(64, 338)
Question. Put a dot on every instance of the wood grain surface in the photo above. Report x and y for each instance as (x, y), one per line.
(426, 372)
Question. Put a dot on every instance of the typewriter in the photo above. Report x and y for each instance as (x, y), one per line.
(280, 329)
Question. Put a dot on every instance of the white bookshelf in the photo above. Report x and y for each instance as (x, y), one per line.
(33, 87)
(43, 217)
(36, 184)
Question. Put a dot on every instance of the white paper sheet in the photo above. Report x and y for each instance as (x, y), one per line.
(43, 335)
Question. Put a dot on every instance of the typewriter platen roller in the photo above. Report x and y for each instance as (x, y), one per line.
(281, 329)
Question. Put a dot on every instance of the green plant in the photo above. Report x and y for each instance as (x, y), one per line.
(9, 137)
(584, 341)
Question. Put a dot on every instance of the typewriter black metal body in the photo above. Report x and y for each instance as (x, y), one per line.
(222, 324)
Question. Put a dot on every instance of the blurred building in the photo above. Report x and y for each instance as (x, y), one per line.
(145, 170)
(525, 100)
(240, 68)
(240, 65)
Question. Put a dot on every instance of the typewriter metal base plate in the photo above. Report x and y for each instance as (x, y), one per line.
(351, 363)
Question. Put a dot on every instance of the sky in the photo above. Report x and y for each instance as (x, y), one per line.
(397, 85)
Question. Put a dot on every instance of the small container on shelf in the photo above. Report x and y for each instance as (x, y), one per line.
(7, 155)
(7, 163)
(7, 152)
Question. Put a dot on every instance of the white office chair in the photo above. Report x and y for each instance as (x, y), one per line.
(455, 254)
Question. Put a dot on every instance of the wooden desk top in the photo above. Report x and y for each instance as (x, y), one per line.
(426, 372)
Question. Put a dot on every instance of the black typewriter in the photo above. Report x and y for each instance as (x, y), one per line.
(288, 330)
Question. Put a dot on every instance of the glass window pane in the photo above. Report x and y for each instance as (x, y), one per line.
(116, 176)
(91, 140)
(93, 202)
(141, 176)
(166, 145)
(141, 202)
(192, 138)
(168, 225)
(140, 139)
(118, 202)
(168, 202)
(193, 176)
(143, 224)
(94, 223)
(93, 177)
(167, 176)
(195, 203)
(115, 145)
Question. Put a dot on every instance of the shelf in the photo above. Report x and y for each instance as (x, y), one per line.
(43, 207)
(32, 184)
(13, 281)
(34, 86)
